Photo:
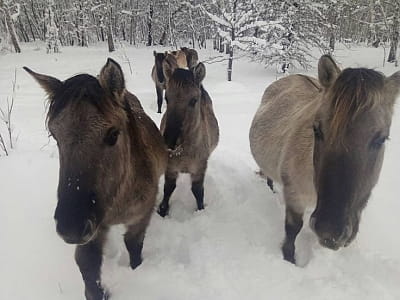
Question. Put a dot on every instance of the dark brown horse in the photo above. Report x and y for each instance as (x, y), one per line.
(189, 127)
(157, 73)
(323, 141)
(111, 158)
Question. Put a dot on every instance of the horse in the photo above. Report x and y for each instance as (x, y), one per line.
(111, 158)
(189, 127)
(157, 75)
(192, 57)
(323, 142)
(181, 58)
(157, 72)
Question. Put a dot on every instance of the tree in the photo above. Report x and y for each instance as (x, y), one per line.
(5, 8)
(52, 40)
(234, 20)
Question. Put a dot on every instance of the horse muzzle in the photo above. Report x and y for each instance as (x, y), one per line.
(329, 237)
(75, 235)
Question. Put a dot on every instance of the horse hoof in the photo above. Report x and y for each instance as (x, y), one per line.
(106, 296)
(163, 210)
(97, 294)
(136, 263)
(290, 259)
(159, 111)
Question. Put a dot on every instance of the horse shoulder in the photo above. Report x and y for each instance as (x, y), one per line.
(296, 168)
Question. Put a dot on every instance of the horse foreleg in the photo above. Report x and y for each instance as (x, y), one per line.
(159, 91)
(133, 239)
(89, 259)
(293, 225)
(169, 187)
(270, 184)
(198, 189)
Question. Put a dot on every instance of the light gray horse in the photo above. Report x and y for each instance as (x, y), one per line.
(323, 141)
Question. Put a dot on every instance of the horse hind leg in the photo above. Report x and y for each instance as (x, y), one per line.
(293, 225)
(89, 260)
(159, 91)
(270, 184)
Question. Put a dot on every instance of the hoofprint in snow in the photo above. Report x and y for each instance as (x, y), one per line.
(231, 250)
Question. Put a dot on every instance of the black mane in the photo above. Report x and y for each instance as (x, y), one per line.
(82, 87)
(183, 77)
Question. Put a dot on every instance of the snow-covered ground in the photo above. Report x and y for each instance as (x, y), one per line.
(231, 250)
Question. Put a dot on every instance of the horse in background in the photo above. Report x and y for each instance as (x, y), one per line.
(323, 141)
(192, 58)
(157, 72)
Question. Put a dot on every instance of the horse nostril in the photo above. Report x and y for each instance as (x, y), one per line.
(330, 243)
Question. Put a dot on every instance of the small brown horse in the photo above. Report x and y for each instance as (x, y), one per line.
(323, 141)
(192, 58)
(157, 72)
(189, 127)
(111, 158)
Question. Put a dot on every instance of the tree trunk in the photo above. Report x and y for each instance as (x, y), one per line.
(29, 21)
(394, 40)
(221, 45)
(230, 63)
(11, 28)
(332, 41)
(149, 25)
(163, 38)
(131, 36)
(110, 39)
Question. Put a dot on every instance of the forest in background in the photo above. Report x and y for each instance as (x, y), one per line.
(275, 32)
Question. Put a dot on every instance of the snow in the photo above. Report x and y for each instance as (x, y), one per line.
(231, 250)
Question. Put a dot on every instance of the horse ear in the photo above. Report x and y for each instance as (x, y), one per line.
(48, 83)
(392, 85)
(154, 53)
(169, 65)
(199, 73)
(328, 71)
(111, 78)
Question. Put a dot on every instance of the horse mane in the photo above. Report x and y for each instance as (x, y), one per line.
(355, 91)
(182, 78)
(82, 87)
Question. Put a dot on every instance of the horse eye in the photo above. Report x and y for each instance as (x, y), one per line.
(111, 136)
(378, 142)
(319, 135)
(192, 102)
